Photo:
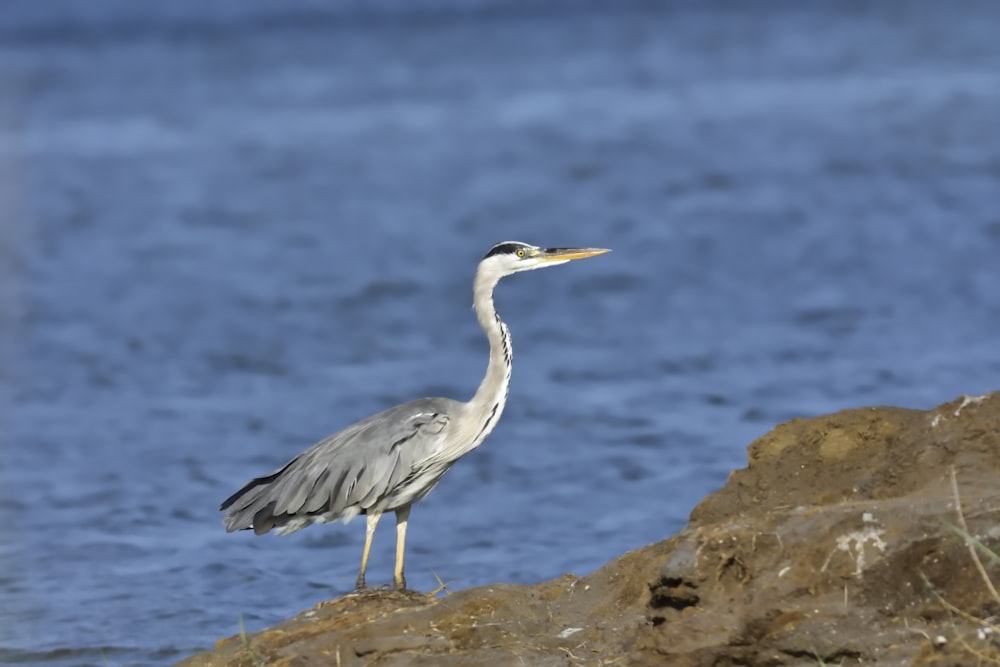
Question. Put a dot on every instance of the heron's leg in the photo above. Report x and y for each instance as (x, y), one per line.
(371, 520)
(402, 516)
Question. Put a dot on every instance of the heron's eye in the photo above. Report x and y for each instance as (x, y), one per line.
(520, 253)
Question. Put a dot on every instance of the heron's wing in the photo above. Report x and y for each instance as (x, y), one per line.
(364, 466)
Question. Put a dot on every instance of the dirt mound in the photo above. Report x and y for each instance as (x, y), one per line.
(838, 544)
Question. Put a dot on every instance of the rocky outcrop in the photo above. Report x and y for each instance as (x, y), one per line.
(840, 543)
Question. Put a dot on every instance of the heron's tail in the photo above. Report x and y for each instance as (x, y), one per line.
(251, 507)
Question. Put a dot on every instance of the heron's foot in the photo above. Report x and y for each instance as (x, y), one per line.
(400, 582)
(365, 589)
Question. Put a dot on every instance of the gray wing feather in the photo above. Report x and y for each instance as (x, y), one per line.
(363, 467)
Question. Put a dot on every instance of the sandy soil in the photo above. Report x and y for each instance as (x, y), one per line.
(838, 544)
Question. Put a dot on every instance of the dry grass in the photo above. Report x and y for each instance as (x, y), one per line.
(977, 638)
(257, 658)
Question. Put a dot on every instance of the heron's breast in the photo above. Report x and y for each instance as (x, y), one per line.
(415, 486)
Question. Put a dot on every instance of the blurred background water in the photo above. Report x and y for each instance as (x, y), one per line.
(228, 229)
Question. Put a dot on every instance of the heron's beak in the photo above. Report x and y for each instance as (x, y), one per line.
(566, 254)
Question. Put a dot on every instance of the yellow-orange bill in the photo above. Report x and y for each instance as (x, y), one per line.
(563, 254)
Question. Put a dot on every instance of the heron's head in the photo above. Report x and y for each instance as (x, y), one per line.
(512, 256)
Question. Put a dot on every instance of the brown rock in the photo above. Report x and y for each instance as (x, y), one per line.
(836, 545)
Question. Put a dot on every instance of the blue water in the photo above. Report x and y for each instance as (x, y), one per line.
(228, 231)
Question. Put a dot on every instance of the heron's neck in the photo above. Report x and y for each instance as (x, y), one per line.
(487, 405)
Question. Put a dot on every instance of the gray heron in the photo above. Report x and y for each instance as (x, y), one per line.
(392, 459)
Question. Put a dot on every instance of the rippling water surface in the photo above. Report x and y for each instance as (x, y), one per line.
(228, 232)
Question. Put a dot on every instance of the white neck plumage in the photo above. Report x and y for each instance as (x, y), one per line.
(486, 406)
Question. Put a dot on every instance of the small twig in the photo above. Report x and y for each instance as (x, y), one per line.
(918, 631)
(569, 653)
(991, 556)
(971, 547)
(983, 658)
(442, 586)
(949, 606)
